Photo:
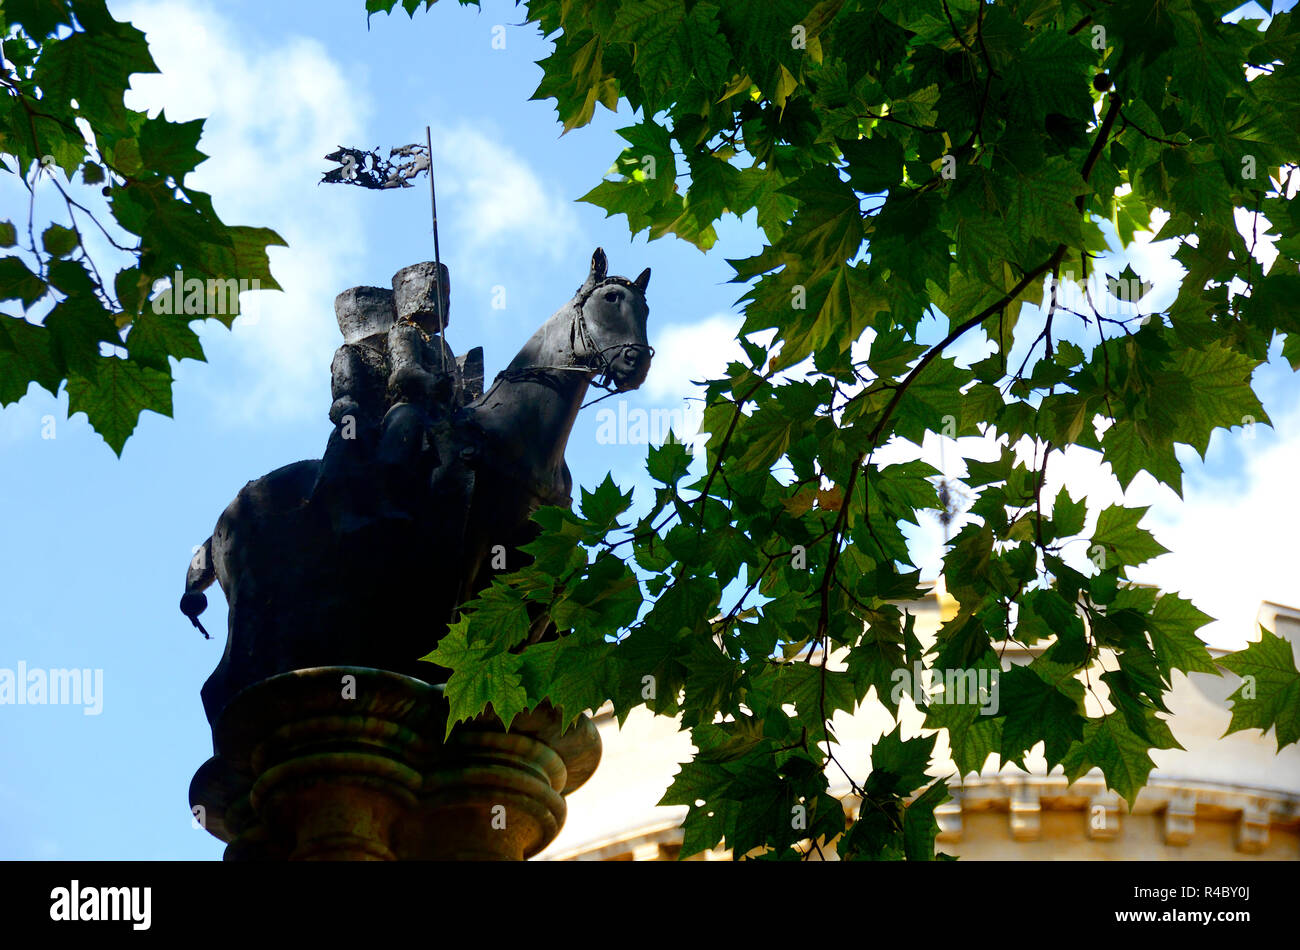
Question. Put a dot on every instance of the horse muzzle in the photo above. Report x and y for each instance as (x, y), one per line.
(628, 370)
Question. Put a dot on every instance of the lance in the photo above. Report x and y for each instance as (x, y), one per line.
(437, 255)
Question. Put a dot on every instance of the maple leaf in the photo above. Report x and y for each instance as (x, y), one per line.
(1269, 696)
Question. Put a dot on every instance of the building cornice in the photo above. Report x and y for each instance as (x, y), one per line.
(1181, 803)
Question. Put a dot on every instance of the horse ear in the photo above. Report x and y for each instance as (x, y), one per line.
(643, 280)
(597, 272)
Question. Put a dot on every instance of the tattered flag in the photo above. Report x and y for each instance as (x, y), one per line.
(371, 170)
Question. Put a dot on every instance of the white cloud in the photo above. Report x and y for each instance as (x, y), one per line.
(686, 352)
(499, 201)
(274, 109)
(1231, 549)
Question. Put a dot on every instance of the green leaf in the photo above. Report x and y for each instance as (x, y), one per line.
(874, 662)
(19, 283)
(712, 676)
(815, 692)
(169, 147)
(68, 78)
(602, 507)
(574, 673)
(705, 826)
(920, 828)
(39, 18)
(115, 394)
(94, 67)
(716, 187)
(1040, 205)
(875, 164)
(898, 765)
(1269, 696)
(1172, 626)
(1109, 744)
(157, 337)
(1216, 381)
(243, 258)
(482, 677)
(828, 225)
(60, 241)
(556, 550)
(605, 599)
(1068, 515)
(499, 618)
(1132, 447)
(974, 732)
(1036, 710)
(1118, 533)
(77, 326)
(25, 358)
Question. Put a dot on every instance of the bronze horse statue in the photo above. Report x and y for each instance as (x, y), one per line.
(316, 577)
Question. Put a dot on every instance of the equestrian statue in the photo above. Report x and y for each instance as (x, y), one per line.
(363, 557)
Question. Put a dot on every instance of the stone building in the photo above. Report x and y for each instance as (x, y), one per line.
(1220, 798)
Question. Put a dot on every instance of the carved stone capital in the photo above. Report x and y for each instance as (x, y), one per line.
(350, 763)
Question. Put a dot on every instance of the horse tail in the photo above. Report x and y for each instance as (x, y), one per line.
(202, 572)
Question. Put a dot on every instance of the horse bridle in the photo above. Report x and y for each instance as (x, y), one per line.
(579, 333)
(605, 365)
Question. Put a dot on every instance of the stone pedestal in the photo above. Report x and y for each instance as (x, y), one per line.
(349, 764)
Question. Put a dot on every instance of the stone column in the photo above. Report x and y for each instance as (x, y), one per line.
(350, 763)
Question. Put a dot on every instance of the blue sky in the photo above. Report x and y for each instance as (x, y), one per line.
(93, 549)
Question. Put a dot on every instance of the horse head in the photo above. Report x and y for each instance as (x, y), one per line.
(610, 328)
